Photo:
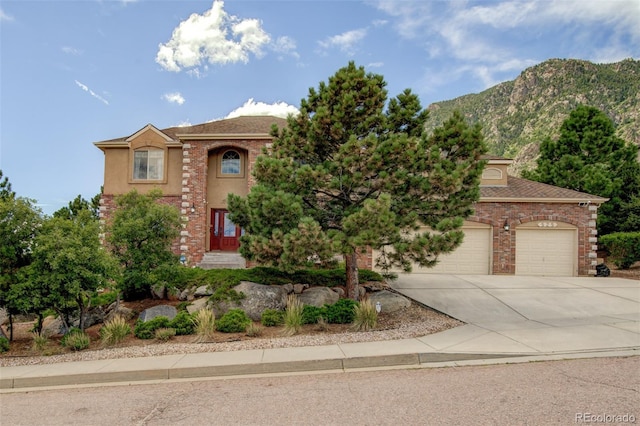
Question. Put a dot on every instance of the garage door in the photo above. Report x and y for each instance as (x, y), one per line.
(549, 249)
(472, 257)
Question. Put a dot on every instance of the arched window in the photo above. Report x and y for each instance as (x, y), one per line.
(230, 163)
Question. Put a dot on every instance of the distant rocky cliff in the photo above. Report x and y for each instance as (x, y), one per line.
(517, 115)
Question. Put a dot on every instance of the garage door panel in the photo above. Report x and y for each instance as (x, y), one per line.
(545, 252)
(472, 257)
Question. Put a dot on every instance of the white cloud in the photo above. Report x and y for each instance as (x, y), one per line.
(173, 98)
(375, 65)
(485, 40)
(346, 41)
(214, 37)
(278, 109)
(71, 50)
(91, 92)
(4, 16)
(285, 45)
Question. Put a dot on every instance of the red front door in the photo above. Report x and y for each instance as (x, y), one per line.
(224, 234)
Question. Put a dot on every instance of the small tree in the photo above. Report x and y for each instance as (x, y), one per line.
(346, 174)
(78, 204)
(69, 265)
(20, 222)
(140, 235)
(589, 157)
(5, 187)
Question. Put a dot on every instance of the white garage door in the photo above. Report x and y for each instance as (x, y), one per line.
(472, 257)
(546, 251)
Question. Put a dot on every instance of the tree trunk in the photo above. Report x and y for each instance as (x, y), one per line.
(351, 265)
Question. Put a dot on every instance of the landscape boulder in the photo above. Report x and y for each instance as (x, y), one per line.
(158, 311)
(389, 302)
(318, 296)
(118, 309)
(257, 298)
(203, 291)
(197, 305)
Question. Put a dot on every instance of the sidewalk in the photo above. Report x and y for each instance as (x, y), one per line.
(509, 319)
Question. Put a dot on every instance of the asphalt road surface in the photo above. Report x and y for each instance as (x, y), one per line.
(585, 391)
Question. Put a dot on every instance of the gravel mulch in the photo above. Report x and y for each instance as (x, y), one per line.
(415, 321)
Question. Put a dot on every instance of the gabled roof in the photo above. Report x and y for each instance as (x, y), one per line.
(245, 126)
(524, 190)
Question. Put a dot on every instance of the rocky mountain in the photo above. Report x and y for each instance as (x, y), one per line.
(517, 115)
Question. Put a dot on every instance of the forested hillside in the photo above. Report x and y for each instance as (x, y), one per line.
(517, 115)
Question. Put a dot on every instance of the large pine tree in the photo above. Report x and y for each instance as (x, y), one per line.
(346, 174)
(589, 157)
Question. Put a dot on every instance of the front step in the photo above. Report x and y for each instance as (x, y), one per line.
(222, 260)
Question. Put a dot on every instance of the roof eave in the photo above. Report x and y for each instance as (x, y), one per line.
(220, 136)
(595, 200)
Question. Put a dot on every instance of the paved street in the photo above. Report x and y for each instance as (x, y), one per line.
(557, 392)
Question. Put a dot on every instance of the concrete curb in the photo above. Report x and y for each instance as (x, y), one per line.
(162, 369)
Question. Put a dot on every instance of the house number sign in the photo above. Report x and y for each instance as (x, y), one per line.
(547, 224)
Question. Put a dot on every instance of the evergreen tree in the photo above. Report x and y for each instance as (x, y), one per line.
(346, 174)
(77, 205)
(589, 157)
(5, 188)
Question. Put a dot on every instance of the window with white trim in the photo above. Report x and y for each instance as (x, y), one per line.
(148, 164)
(230, 163)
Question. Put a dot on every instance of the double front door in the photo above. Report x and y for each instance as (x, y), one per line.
(223, 234)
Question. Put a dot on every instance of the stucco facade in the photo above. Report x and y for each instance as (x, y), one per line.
(197, 166)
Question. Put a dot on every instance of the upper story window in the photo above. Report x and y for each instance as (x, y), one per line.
(148, 164)
(230, 163)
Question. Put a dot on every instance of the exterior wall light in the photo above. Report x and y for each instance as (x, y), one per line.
(193, 208)
(506, 225)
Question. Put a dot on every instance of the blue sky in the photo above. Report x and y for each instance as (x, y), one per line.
(76, 72)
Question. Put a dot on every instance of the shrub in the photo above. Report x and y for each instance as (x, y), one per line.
(254, 330)
(341, 312)
(311, 314)
(293, 316)
(76, 340)
(146, 330)
(182, 306)
(40, 341)
(272, 318)
(4, 344)
(163, 334)
(234, 321)
(183, 323)
(205, 324)
(624, 248)
(114, 331)
(365, 317)
(104, 299)
(322, 323)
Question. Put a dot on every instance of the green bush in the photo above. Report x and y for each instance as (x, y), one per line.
(164, 334)
(146, 330)
(624, 248)
(311, 314)
(183, 323)
(234, 321)
(341, 312)
(4, 344)
(104, 299)
(114, 331)
(76, 340)
(272, 318)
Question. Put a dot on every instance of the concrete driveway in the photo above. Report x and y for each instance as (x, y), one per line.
(516, 314)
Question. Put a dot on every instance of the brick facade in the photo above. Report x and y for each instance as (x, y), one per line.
(504, 199)
(497, 214)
